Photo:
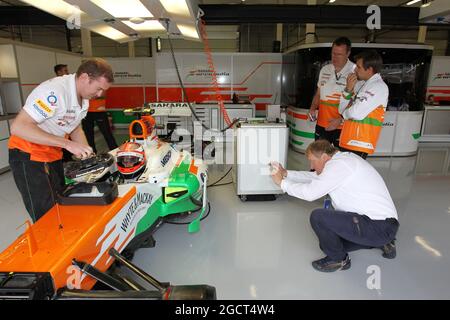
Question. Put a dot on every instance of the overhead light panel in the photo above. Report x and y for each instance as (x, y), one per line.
(425, 4)
(60, 9)
(124, 9)
(176, 7)
(147, 25)
(188, 31)
(109, 32)
(412, 2)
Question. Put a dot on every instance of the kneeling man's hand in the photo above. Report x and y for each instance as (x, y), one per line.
(278, 172)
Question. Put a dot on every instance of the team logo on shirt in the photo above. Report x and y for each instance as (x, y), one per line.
(43, 109)
(66, 120)
(361, 99)
(52, 99)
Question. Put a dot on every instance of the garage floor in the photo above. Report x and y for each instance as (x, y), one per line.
(263, 250)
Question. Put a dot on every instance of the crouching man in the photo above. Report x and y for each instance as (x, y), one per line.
(364, 215)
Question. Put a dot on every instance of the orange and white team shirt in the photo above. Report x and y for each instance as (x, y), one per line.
(363, 114)
(55, 108)
(331, 84)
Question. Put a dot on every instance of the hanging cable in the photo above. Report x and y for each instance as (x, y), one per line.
(172, 221)
(212, 69)
(213, 73)
(221, 184)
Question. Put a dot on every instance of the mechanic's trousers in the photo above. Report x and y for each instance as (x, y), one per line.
(38, 189)
(340, 232)
(359, 153)
(101, 118)
(330, 136)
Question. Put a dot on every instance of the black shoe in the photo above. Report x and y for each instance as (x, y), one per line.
(328, 265)
(389, 250)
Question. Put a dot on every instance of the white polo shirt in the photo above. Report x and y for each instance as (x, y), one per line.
(352, 183)
(54, 105)
(331, 82)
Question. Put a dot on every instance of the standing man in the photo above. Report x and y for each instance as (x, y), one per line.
(364, 216)
(61, 70)
(97, 114)
(53, 113)
(332, 80)
(363, 105)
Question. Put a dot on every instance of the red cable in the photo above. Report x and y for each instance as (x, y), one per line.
(215, 84)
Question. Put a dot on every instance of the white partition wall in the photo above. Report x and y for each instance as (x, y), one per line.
(140, 80)
(301, 128)
(22, 68)
(12, 96)
(134, 84)
(8, 66)
(34, 64)
(436, 124)
(400, 134)
(133, 71)
(72, 61)
(4, 137)
(255, 75)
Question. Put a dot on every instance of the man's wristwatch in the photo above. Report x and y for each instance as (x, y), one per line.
(347, 93)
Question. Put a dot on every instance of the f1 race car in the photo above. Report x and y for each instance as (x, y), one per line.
(111, 207)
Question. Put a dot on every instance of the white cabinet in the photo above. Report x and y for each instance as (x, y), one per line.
(436, 124)
(256, 145)
(400, 133)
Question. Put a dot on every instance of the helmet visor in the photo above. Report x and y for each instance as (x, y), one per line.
(130, 160)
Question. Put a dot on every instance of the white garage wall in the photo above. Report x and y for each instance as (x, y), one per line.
(35, 63)
(73, 62)
(8, 68)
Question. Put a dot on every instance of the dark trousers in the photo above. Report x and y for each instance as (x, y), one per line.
(67, 156)
(101, 118)
(340, 232)
(359, 153)
(38, 189)
(331, 136)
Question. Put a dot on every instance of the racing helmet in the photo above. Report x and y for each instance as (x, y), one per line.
(131, 160)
